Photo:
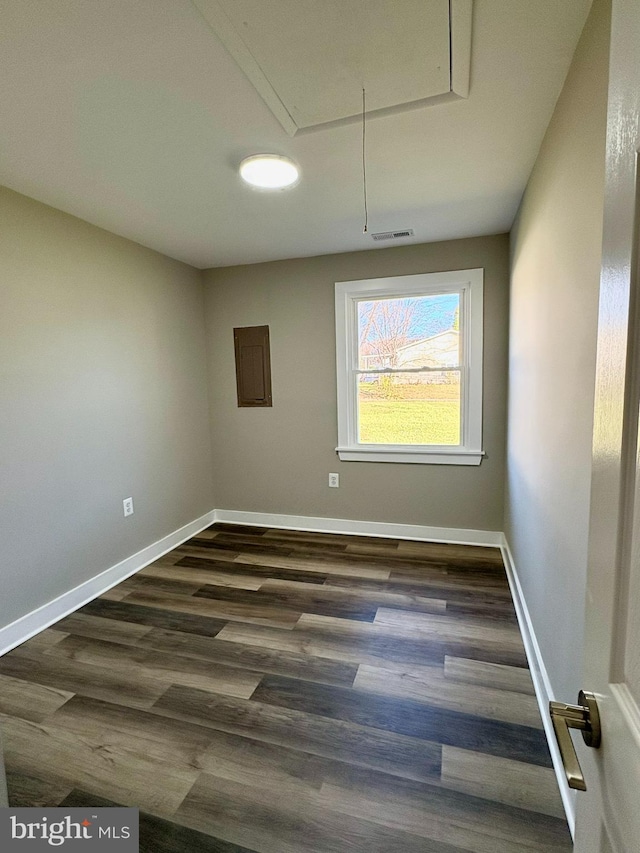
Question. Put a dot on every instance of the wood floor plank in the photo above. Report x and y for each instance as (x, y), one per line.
(344, 539)
(381, 559)
(406, 717)
(398, 755)
(229, 756)
(480, 830)
(149, 583)
(439, 587)
(227, 527)
(114, 594)
(515, 783)
(292, 773)
(28, 701)
(399, 644)
(169, 559)
(506, 678)
(458, 555)
(203, 574)
(413, 569)
(86, 680)
(126, 611)
(212, 609)
(466, 808)
(111, 766)
(242, 544)
(254, 657)
(172, 742)
(331, 566)
(45, 639)
(209, 533)
(156, 666)
(80, 624)
(350, 645)
(143, 723)
(449, 628)
(249, 762)
(157, 835)
(307, 598)
(501, 613)
(354, 596)
(375, 547)
(187, 549)
(270, 824)
(429, 685)
(276, 544)
(253, 571)
(457, 589)
(34, 792)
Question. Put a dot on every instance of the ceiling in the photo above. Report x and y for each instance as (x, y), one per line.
(132, 115)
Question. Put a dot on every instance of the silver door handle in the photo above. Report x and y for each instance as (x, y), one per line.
(584, 716)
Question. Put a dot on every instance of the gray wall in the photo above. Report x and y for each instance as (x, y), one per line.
(103, 395)
(555, 245)
(277, 460)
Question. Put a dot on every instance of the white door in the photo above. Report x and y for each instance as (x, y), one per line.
(608, 817)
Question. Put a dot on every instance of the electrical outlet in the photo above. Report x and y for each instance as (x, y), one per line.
(127, 506)
(334, 481)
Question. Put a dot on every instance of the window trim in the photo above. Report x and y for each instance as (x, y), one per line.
(470, 285)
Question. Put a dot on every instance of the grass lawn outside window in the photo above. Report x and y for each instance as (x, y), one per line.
(410, 414)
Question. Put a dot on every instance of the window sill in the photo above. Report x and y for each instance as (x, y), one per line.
(447, 456)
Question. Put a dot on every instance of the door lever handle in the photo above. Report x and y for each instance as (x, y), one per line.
(584, 716)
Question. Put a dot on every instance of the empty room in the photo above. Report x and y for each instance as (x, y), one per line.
(319, 452)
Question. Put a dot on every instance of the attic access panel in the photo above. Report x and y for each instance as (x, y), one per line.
(309, 61)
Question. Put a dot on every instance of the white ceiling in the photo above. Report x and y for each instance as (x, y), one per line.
(132, 115)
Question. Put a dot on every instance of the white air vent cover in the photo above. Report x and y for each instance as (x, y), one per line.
(393, 235)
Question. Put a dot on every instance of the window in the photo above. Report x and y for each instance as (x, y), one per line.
(409, 357)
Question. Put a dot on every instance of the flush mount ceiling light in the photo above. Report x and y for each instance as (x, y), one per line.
(269, 171)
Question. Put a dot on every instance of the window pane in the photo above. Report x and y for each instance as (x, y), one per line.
(410, 332)
(409, 408)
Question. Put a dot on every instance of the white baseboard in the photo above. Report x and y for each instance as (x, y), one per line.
(361, 528)
(541, 682)
(27, 626)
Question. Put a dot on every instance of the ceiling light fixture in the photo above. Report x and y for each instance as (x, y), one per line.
(269, 171)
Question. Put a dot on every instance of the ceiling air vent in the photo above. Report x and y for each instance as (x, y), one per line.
(393, 235)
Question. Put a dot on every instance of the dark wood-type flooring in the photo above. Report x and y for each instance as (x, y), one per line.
(268, 691)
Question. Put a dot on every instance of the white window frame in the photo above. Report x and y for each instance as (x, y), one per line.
(469, 284)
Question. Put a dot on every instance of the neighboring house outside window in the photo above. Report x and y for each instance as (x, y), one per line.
(409, 357)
